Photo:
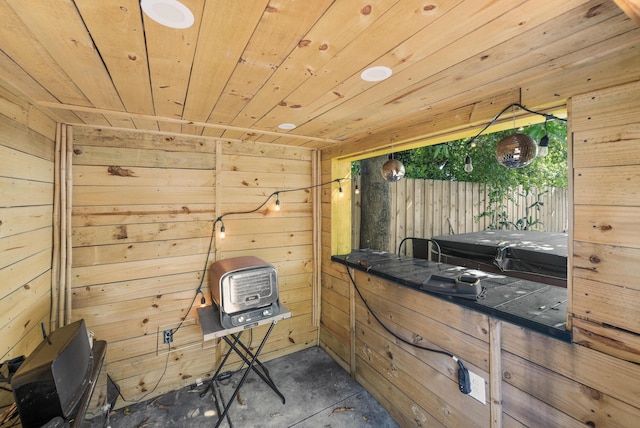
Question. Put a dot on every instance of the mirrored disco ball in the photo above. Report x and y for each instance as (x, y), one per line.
(516, 150)
(393, 170)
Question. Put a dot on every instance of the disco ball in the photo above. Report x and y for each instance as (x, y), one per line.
(516, 151)
(392, 170)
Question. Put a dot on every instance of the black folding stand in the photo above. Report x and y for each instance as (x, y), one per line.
(212, 329)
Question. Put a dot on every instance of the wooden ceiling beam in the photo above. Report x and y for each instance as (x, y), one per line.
(121, 114)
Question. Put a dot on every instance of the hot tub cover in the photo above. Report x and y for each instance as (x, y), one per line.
(542, 253)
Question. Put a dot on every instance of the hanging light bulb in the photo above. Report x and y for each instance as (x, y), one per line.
(468, 166)
(543, 147)
(222, 232)
(341, 193)
(392, 170)
(277, 208)
(357, 190)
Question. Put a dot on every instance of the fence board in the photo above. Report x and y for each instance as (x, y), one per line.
(425, 208)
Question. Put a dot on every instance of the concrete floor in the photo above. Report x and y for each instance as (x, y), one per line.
(318, 393)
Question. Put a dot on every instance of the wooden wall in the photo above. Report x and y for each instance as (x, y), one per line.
(143, 212)
(606, 247)
(27, 146)
(532, 380)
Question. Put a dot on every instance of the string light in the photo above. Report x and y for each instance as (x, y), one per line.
(277, 205)
(542, 149)
(340, 189)
(357, 190)
(468, 166)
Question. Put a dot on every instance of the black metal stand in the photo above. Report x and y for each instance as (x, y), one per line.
(211, 329)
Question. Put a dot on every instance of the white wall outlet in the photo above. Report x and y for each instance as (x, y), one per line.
(477, 388)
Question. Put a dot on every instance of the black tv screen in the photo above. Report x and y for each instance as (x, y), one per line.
(52, 380)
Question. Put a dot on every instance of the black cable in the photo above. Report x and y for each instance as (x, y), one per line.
(492, 121)
(166, 364)
(464, 384)
(276, 193)
(402, 339)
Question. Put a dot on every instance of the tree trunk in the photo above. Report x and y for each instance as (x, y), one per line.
(375, 205)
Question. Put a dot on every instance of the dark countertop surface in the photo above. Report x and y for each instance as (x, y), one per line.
(530, 304)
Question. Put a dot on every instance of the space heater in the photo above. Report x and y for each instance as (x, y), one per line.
(245, 290)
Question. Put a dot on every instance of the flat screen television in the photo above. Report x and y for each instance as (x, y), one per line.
(51, 381)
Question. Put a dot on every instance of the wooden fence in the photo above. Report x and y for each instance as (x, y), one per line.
(426, 208)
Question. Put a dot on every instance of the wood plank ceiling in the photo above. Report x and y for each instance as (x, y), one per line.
(244, 67)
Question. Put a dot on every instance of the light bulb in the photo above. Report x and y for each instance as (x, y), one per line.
(340, 189)
(277, 208)
(222, 230)
(468, 166)
(357, 189)
(543, 147)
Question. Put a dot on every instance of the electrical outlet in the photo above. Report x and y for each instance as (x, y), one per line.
(477, 388)
(167, 336)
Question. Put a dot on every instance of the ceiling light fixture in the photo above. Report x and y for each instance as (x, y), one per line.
(287, 126)
(170, 13)
(376, 74)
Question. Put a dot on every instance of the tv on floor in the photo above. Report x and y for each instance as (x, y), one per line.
(51, 381)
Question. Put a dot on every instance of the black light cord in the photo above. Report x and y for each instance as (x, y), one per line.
(166, 364)
(547, 116)
(463, 373)
(402, 339)
(213, 232)
(276, 194)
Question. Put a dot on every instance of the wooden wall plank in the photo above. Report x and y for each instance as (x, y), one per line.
(613, 107)
(15, 220)
(101, 274)
(614, 305)
(607, 186)
(122, 138)
(121, 175)
(141, 232)
(129, 214)
(115, 195)
(607, 146)
(99, 155)
(605, 338)
(566, 395)
(598, 371)
(614, 225)
(17, 192)
(607, 264)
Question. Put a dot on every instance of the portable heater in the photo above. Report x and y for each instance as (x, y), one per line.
(245, 290)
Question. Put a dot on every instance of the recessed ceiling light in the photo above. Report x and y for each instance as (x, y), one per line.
(170, 13)
(376, 74)
(287, 126)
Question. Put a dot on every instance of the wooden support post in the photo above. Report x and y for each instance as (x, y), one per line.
(67, 220)
(55, 260)
(495, 372)
(62, 288)
(316, 179)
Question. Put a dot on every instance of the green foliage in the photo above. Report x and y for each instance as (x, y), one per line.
(446, 162)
